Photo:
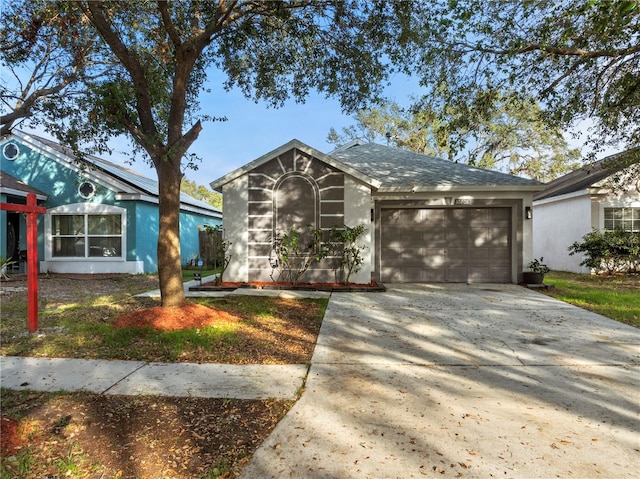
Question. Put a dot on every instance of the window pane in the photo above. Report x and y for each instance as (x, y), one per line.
(105, 225)
(627, 219)
(68, 247)
(68, 224)
(105, 246)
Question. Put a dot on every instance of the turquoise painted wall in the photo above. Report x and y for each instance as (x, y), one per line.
(190, 224)
(146, 241)
(49, 176)
(57, 181)
(61, 184)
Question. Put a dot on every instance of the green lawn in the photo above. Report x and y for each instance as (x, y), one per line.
(188, 271)
(616, 297)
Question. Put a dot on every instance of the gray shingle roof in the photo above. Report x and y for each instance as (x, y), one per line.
(586, 176)
(137, 181)
(394, 167)
(14, 186)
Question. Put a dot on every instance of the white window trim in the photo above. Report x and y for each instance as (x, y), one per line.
(614, 204)
(82, 209)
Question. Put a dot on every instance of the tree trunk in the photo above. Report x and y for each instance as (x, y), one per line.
(169, 259)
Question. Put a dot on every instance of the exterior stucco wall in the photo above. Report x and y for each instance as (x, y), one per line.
(357, 211)
(558, 223)
(236, 227)
(257, 208)
(292, 190)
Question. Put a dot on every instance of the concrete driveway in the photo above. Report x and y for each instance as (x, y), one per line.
(462, 381)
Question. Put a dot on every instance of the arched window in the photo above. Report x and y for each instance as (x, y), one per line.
(296, 203)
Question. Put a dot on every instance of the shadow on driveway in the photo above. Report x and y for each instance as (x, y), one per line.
(453, 380)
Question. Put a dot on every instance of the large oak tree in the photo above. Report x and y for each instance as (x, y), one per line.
(41, 68)
(579, 58)
(271, 50)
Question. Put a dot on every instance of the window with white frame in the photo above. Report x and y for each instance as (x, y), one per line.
(625, 219)
(87, 232)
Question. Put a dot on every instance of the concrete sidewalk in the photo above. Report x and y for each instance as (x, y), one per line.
(161, 379)
(254, 381)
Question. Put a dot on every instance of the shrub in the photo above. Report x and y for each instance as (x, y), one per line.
(294, 252)
(609, 251)
(344, 245)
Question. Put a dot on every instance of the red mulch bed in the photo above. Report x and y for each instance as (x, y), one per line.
(189, 316)
(10, 438)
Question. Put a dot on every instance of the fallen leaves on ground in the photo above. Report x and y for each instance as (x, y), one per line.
(150, 437)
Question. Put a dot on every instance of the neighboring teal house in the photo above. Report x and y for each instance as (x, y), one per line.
(101, 217)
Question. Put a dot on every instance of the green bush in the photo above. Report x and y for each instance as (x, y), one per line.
(294, 252)
(609, 251)
(344, 244)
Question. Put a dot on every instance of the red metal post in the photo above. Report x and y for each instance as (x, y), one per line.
(31, 210)
(32, 264)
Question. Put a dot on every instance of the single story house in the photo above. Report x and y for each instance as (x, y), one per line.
(101, 217)
(427, 219)
(579, 202)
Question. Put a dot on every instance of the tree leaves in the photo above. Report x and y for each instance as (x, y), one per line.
(579, 59)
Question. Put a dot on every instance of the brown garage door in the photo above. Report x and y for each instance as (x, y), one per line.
(446, 245)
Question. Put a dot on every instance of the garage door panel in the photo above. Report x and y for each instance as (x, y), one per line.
(456, 257)
(457, 218)
(415, 257)
(401, 255)
(407, 241)
(502, 274)
(457, 236)
(499, 236)
(412, 275)
(432, 275)
(489, 275)
(446, 244)
(432, 218)
(479, 256)
(434, 237)
(457, 275)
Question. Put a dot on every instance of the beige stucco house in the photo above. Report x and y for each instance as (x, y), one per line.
(427, 219)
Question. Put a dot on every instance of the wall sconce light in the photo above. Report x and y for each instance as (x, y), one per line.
(528, 212)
